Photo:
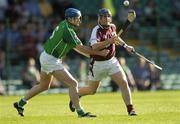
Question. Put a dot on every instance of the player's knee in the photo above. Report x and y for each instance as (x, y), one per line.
(124, 83)
(73, 83)
(92, 92)
(44, 87)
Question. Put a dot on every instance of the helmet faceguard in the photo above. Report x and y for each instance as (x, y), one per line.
(104, 13)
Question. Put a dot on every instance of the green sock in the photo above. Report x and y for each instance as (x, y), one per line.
(80, 112)
(22, 102)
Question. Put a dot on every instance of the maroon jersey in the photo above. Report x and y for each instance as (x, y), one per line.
(100, 34)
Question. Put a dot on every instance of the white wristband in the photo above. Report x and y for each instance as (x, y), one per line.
(124, 45)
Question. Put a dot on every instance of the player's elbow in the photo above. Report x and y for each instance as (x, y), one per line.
(72, 84)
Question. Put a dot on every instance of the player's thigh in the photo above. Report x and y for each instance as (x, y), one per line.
(65, 77)
(45, 79)
(119, 77)
(99, 72)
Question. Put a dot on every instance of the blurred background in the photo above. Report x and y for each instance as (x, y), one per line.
(26, 24)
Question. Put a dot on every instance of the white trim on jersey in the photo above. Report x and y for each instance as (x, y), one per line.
(93, 38)
(56, 46)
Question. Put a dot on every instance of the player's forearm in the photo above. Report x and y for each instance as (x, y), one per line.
(87, 55)
(122, 43)
(101, 45)
(86, 50)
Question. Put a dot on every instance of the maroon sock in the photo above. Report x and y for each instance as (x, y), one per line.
(129, 108)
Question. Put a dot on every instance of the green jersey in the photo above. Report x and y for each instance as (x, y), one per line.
(62, 40)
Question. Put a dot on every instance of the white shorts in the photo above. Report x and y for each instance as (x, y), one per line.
(49, 63)
(102, 69)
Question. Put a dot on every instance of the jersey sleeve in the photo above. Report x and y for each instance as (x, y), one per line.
(94, 37)
(70, 37)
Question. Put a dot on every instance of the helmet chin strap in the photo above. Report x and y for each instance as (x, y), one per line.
(103, 26)
(70, 21)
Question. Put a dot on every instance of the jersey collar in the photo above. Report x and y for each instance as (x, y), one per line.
(103, 27)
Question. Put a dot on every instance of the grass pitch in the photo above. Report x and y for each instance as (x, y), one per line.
(162, 107)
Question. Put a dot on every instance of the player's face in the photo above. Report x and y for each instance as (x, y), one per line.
(105, 20)
(77, 21)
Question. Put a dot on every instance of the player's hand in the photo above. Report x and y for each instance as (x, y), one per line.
(112, 39)
(130, 49)
(131, 15)
(104, 52)
(118, 41)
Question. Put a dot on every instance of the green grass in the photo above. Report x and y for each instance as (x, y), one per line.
(162, 107)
